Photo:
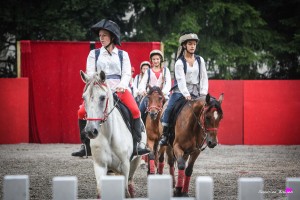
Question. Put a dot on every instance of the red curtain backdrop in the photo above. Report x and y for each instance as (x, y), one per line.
(55, 86)
(14, 111)
(271, 114)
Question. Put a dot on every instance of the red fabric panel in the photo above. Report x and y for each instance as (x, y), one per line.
(55, 86)
(14, 111)
(231, 126)
(272, 112)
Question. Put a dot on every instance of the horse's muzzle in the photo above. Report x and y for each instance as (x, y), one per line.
(153, 115)
(91, 134)
(211, 144)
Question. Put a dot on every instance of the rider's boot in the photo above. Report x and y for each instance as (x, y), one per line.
(85, 149)
(165, 136)
(138, 147)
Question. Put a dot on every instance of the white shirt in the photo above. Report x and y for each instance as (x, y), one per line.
(154, 81)
(189, 83)
(111, 65)
(136, 83)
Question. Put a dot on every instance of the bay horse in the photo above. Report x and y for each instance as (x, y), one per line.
(110, 139)
(154, 108)
(196, 124)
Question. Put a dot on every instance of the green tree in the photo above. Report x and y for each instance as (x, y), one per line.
(236, 37)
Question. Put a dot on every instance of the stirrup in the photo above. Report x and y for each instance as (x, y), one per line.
(163, 141)
(138, 151)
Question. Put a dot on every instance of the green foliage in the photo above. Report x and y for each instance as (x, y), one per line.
(237, 38)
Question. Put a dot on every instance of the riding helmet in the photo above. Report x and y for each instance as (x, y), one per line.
(110, 26)
(157, 52)
(188, 36)
(145, 63)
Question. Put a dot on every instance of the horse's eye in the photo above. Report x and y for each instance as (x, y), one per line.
(207, 118)
(102, 98)
(160, 98)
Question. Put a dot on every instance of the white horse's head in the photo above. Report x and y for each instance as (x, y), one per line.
(96, 98)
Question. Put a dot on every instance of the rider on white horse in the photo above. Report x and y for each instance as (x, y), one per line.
(118, 74)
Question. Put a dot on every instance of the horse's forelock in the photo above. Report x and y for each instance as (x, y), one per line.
(155, 89)
(215, 104)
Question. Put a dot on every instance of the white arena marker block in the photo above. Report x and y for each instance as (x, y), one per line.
(251, 188)
(16, 187)
(159, 187)
(204, 188)
(113, 187)
(64, 188)
(293, 188)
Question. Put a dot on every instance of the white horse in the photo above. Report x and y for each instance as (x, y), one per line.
(111, 141)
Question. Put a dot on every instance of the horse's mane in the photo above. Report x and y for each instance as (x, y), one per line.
(155, 89)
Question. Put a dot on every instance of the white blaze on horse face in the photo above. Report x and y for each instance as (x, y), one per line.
(216, 115)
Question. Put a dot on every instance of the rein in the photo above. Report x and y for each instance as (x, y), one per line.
(202, 124)
(106, 114)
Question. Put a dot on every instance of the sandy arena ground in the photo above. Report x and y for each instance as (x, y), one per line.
(225, 164)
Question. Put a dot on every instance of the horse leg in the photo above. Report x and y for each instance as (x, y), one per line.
(125, 168)
(188, 172)
(151, 163)
(133, 166)
(171, 162)
(151, 156)
(99, 173)
(181, 160)
(161, 160)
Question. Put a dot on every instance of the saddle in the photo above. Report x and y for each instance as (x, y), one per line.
(125, 112)
(179, 104)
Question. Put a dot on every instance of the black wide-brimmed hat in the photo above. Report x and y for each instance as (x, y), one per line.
(110, 26)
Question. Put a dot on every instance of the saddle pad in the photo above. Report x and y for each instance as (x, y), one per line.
(125, 112)
(179, 104)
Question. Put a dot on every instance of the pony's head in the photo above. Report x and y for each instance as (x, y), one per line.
(156, 101)
(212, 116)
(96, 95)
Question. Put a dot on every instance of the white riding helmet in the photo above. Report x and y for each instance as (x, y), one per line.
(145, 63)
(157, 52)
(187, 37)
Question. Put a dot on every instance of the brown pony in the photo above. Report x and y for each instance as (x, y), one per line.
(154, 111)
(196, 126)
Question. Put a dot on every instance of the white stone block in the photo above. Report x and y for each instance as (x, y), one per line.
(113, 187)
(64, 188)
(250, 188)
(159, 187)
(16, 187)
(204, 188)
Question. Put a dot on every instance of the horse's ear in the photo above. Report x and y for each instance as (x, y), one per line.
(221, 98)
(207, 99)
(102, 76)
(84, 76)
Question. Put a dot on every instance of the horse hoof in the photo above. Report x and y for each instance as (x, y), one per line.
(184, 194)
(177, 192)
(131, 190)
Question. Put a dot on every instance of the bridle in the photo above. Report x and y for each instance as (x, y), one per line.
(158, 108)
(202, 124)
(105, 113)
